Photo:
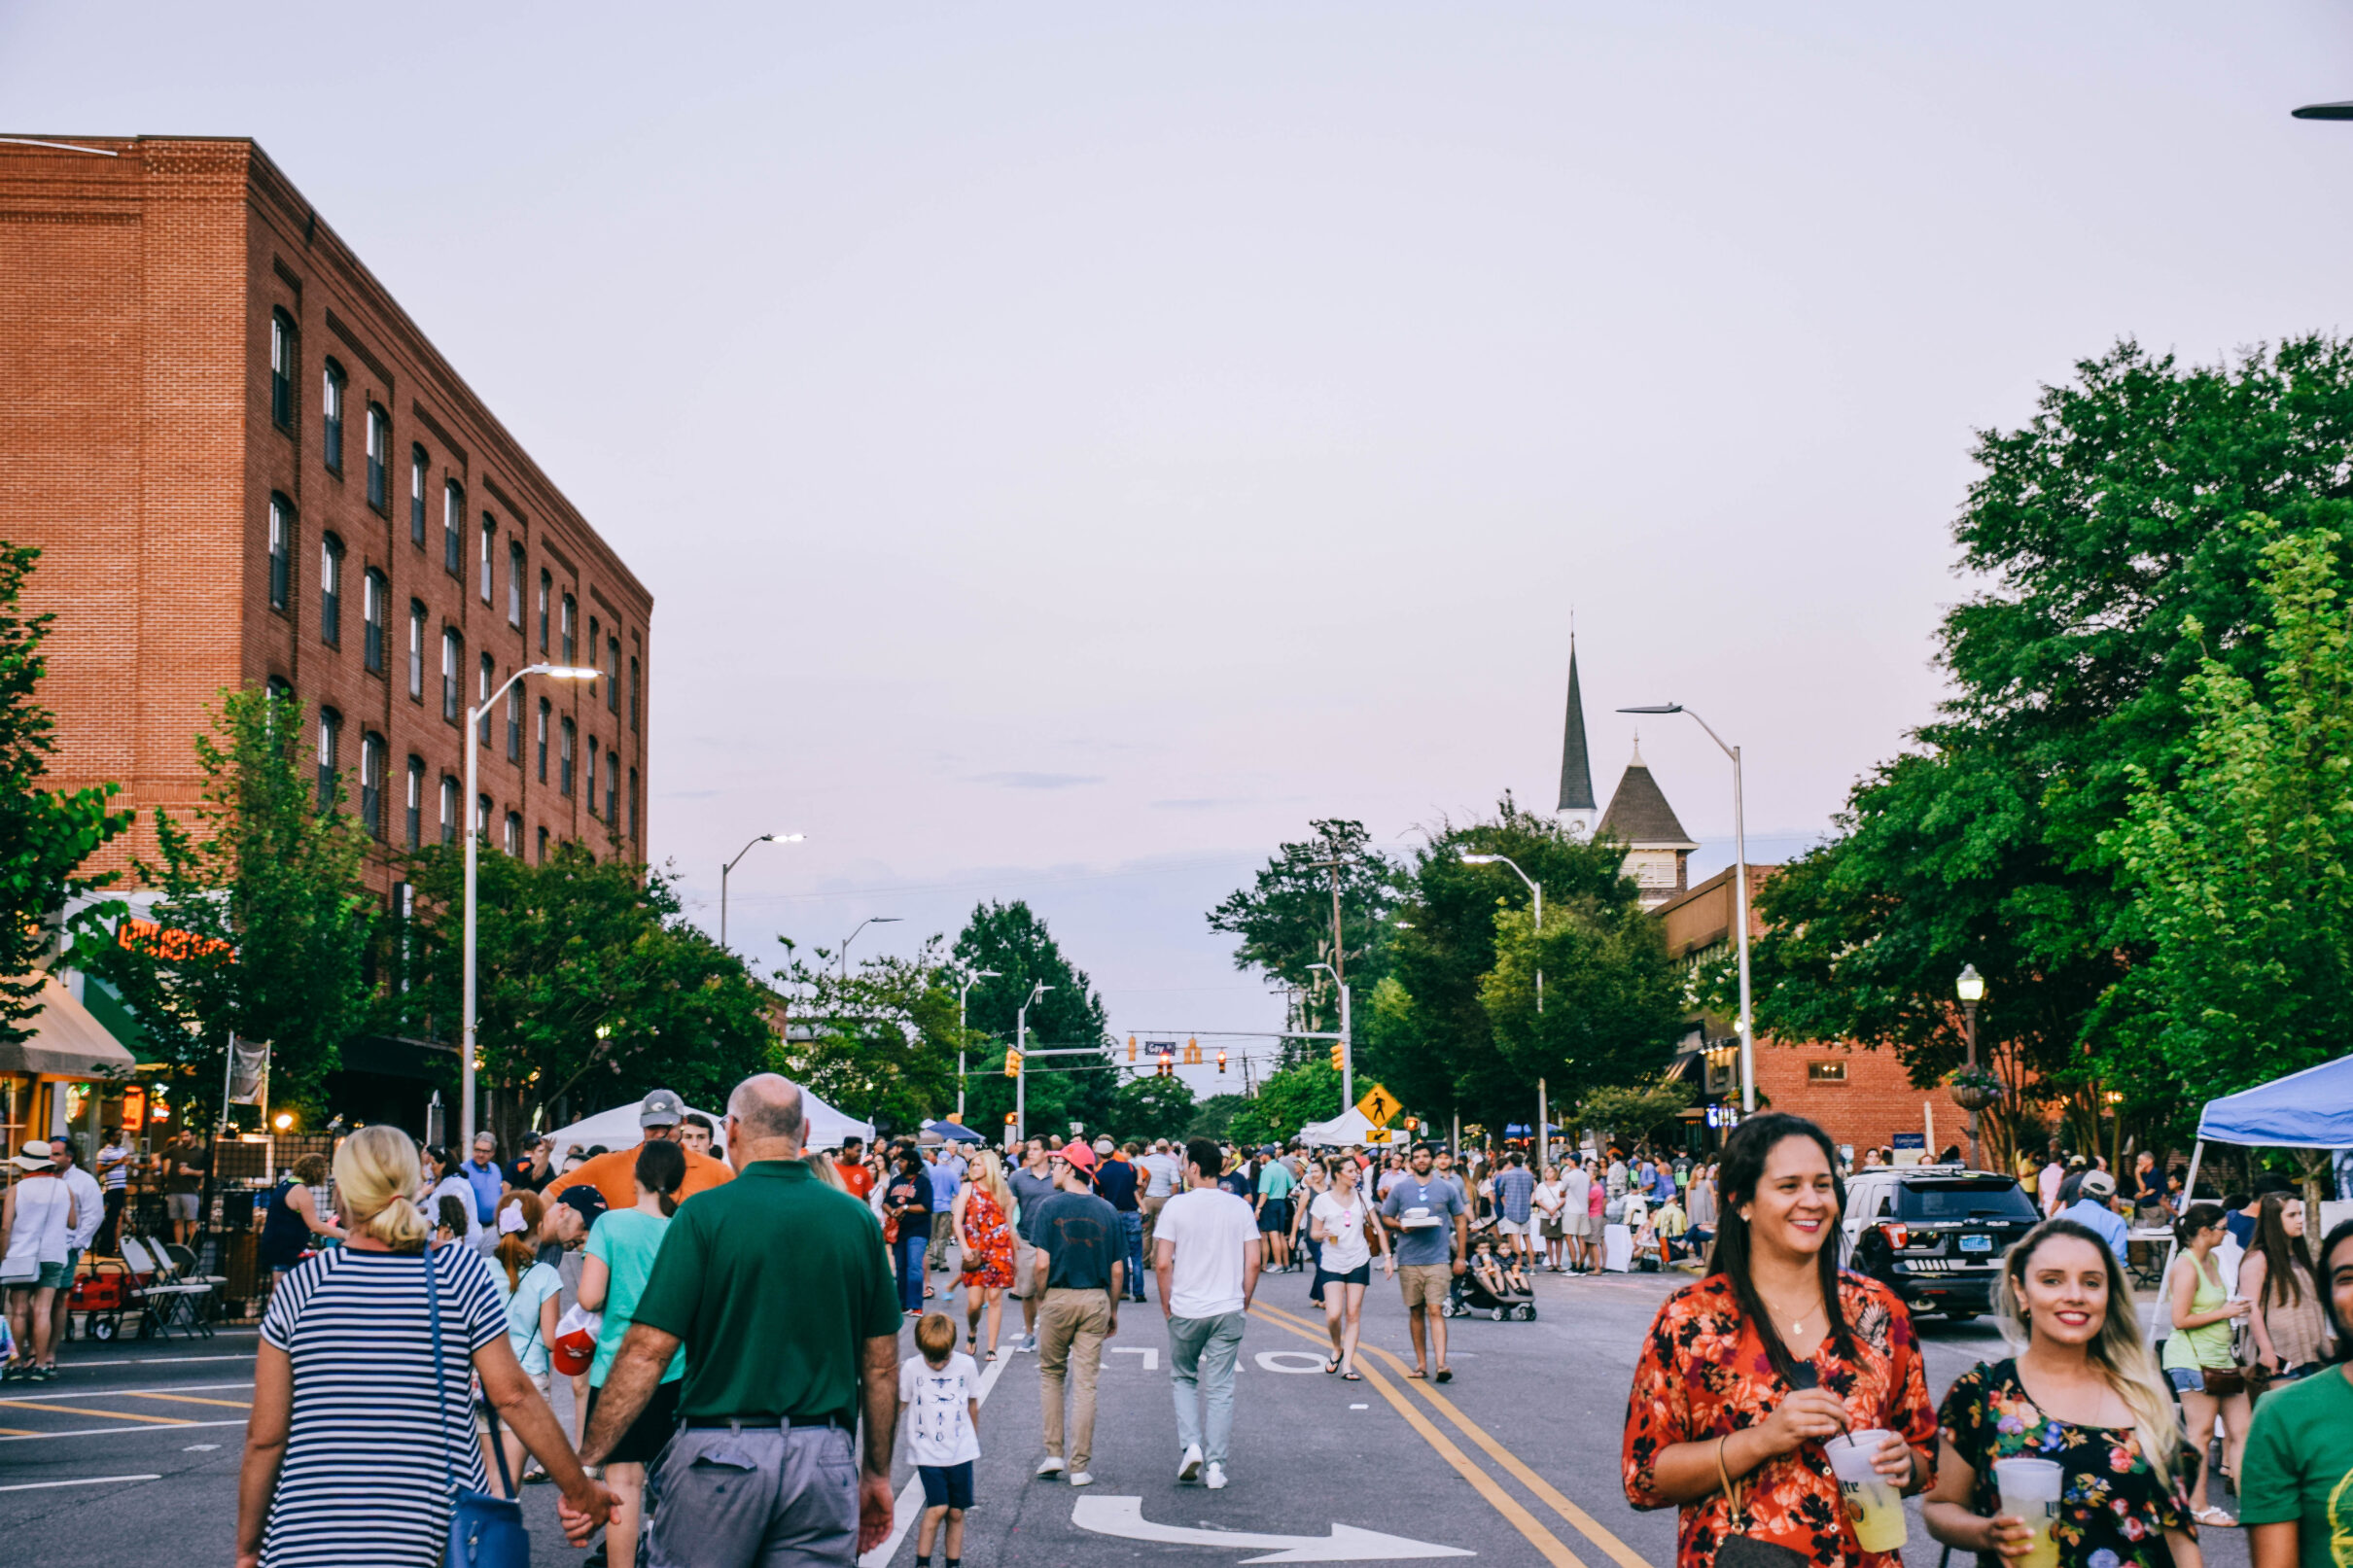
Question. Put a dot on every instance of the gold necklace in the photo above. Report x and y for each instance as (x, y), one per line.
(1797, 1325)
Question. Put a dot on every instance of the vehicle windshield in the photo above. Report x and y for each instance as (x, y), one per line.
(1985, 1198)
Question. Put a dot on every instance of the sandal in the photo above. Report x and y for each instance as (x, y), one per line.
(1331, 1366)
(2215, 1518)
(1443, 1374)
(1351, 1376)
(1417, 1372)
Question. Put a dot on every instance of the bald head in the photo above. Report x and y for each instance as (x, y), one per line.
(767, 1110)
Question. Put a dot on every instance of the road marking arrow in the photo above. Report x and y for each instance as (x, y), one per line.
(1150, 1354)
(1123, 1517)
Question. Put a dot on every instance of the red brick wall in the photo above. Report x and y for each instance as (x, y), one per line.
(137, 448)
(1876, 1101)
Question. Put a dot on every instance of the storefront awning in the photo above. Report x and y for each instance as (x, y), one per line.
(66, 1041)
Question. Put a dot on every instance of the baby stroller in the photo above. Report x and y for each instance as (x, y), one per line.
(1471, 1296)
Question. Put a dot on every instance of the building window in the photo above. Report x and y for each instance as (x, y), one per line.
(330, 740)
(449, 809)
(594, 659)
(572, 612)
(546, 588)
(543, 740)
(542, 846)
(490, 545)
(372, 782)
(331, 590)
(453, 654)
(379, 457)
(633, 689)
(413, 822)
(416, 650)
(481, 697)
(281, 370)
(633, 805)
(613, 789)
(281, 550)
(453, 529)
(514, 586)
(515, 834)
(592, 776)
(515, 723)
(1825, 1072)
(417, 463)
(613, 675)
(331, 406)
(373, 591)
(563, 757)
(482, 816)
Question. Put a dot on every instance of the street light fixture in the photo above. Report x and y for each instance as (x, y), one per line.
(1972, 989)
(1739, 880)
(1543, 1125)
(474, 828)
(1348, 1042)
(1021, 1061)
(764, 838)
(2324, 111)
(870, 920)
(962, 992)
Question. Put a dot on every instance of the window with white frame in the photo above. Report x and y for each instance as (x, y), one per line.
(330, 408)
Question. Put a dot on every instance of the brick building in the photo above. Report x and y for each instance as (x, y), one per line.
(244, 463)
(1860, 1097)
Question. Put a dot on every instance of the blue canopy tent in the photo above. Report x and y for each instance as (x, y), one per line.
(953, 1132)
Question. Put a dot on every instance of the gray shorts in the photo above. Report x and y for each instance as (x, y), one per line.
(181, 1206)
(774, 1497)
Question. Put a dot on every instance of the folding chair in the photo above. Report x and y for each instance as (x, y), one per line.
(167, 1299)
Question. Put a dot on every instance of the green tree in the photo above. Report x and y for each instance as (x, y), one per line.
(1614, 1003)
(1214, 1117)
(1286, 920)
(1010, 939)
(2098, 528)
(1150, 1107)
(1304, 1093)
(591, 988)
(263, 923)
(880, 1043)
(1633, 1112)
(44, 834)
(2244, 860)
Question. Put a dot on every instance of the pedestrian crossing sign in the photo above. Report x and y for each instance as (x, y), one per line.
(1379, 1105)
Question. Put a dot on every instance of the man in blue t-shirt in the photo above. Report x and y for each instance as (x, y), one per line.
(1515, 1195)
(1419, 1211)
(947, 1180)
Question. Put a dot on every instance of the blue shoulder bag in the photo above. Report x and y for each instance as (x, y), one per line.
(484, 1531)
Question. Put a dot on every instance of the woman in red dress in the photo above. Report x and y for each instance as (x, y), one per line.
(1746, 1372)
(984, 1235)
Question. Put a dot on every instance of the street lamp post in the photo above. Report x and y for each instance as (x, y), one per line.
(1740, 882)
(963, 992)
(474, 826)
(764, 838)
(870, 920)
(1348, 1043)
(1972, 988)
(1537, 887)
(1021, 1058)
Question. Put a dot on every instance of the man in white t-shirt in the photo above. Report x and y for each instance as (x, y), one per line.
(1162, 1174)
(1206, 1256)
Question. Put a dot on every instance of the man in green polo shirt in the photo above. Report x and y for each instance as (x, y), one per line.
(778, 1286)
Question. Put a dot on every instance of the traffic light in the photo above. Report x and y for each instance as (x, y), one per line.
(1338, 1057)
(1221, 1058)
(1012, 1063)
(1131, 1048)
(1168, 1061)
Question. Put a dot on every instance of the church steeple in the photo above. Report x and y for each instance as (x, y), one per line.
(1576, 770)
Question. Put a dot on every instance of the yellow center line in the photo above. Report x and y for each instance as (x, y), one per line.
(74, 1410)
(1585, 1524)
(1504, 1502)
(16, 1432)
(193, 1399)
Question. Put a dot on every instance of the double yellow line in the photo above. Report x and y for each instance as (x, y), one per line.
(1554, 1550)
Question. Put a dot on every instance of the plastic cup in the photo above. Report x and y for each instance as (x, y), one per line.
(1873, 1504)
(2031, 1491)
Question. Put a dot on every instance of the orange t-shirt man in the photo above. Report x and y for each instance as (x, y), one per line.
(614, 1173)
(852, 1167)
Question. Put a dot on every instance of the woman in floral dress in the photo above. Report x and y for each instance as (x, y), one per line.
(2085, 1393)
(1746, 1372)
(984, 1230)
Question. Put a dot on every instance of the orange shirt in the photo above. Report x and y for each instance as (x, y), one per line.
(614, 1175)
(858, 1177)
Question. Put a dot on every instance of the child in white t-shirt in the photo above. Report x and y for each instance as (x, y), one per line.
(940, 1406)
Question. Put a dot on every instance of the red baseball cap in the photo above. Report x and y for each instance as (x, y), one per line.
(1077, 1154)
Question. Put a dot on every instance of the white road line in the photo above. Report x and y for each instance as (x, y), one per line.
(87, 1480)
(114, 1431)
(910, 1505)
(112, 1393)
(1149, 1352)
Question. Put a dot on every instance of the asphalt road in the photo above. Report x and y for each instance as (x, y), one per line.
(1516, 1461)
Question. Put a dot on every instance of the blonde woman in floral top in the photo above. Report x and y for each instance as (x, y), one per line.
(2085, 1393)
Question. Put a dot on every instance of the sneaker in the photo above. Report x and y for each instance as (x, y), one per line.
(1190, 1468)
(44, 1374)
(1048, 1468)
(1216, 1480)
(1081, 1478)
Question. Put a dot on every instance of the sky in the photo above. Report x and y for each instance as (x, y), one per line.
(1072, 447)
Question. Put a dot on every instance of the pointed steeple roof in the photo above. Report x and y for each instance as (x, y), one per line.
(1576, 771)
(1639, 814)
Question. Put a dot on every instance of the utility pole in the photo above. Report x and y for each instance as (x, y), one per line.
(1021, 1070)
(964, 992)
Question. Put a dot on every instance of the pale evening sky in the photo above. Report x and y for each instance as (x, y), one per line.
(1071, 446)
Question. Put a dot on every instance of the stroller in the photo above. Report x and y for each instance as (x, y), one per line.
(1472, 1296)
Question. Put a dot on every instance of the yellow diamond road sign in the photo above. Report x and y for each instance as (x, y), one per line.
(1379, 1105)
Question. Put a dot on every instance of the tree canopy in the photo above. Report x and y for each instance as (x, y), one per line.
(1010, 939)
(1286, 919)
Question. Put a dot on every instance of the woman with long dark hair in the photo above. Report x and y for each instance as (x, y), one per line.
(2084, 1392)
(1747, 1373)
(2298, 1492)
(2198, 1358)
(2288, 1325)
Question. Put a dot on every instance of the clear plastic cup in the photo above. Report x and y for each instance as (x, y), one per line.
(2031, 1491)
(1873, 1505)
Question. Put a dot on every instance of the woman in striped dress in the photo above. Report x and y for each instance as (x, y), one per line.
(355, 1430)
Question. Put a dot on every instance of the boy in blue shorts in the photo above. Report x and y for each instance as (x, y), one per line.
(940, 1406)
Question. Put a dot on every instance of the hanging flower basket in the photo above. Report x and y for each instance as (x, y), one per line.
(1972, 1091)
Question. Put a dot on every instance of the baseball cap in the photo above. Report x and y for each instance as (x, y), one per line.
(1103, 1145)
(584, 1197)
(2098, 1184)
(1077, 1154)
(661, 1108)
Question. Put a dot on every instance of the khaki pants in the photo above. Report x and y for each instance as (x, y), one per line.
(1071, 1325)
(1151, 1219)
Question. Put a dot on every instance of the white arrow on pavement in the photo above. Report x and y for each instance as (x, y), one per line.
(1124, 1517)
(1150, 1354)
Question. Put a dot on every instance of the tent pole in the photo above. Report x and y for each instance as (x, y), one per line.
(2197, 1152)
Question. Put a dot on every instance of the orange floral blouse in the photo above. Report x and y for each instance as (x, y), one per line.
(1704, 1373)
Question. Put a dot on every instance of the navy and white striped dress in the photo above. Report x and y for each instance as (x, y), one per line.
(366, 1478)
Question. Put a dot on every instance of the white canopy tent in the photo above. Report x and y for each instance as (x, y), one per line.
(618, 1128)
(1351, 1126)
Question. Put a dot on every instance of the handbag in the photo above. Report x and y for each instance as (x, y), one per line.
(1741, 1550)
(484, 1531)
